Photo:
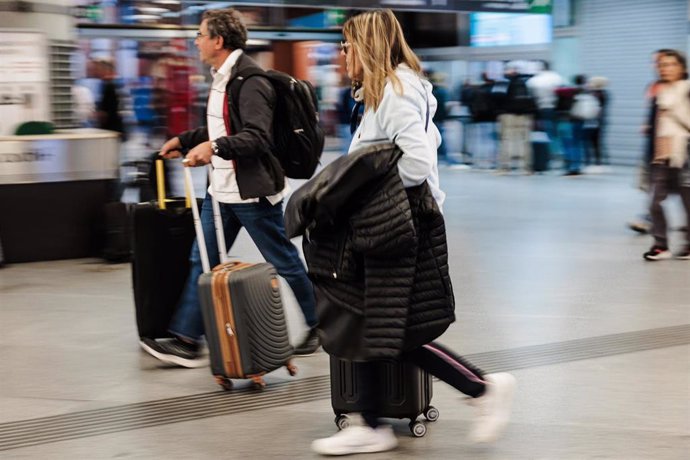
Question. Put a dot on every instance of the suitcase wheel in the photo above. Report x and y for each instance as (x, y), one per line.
(225, 383)
(259, 382)
(417, 428)
(341, 421)
(291, 368)
(431, 414)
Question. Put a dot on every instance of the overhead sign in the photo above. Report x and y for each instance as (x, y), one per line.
(506, 6)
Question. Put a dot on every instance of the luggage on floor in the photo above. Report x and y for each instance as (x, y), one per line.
(117, 218)
(405, 392)
(541, 147)
(244, 321)
(163, 233)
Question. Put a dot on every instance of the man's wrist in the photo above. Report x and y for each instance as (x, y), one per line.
(214, 147)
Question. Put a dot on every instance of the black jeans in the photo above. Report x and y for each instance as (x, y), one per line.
(666, 180)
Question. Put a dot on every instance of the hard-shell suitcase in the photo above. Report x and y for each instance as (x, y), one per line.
(161, 245)
(540, 151)
(405, 392)
(244, 321)
(162, 241)
(117, 246)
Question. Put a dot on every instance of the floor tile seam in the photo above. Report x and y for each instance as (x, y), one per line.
(194, 411)
(275, 389)
(604, 354)
(109, 430)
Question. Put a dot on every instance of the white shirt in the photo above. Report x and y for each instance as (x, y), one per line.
(543, 86)
(224, 185)
(400, 119)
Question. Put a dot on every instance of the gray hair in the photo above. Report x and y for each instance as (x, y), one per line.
(227, 24)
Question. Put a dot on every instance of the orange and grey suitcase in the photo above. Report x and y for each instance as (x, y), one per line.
(244, 321)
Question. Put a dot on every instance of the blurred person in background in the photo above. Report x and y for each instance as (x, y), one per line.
(396, 100)
(440, 92)
(248, 183)
(345, 106)
(84, 105)
(108, 108)
(595, 128)
(543, 86)
(573, 135)
(482, 106)
(670, 172)
(643, 224)
(517, 107)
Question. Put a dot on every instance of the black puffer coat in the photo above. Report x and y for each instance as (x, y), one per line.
(377, 255)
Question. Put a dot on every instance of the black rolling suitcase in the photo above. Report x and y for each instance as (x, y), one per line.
(118, 233)
(540, 151)
(161, 244)
(244, 321)
(405, 390)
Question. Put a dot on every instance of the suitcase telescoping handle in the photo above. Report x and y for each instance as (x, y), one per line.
(201, 241)
(160, 186)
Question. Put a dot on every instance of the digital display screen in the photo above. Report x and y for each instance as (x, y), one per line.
(502, 29)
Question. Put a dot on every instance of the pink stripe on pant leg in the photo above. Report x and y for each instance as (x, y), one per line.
(453, 362)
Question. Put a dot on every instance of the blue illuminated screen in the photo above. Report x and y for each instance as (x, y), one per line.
(500, 29)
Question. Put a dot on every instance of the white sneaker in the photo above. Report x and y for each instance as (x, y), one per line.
(357, 438)
(493, 408)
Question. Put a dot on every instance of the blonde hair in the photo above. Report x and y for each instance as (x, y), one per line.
(377, 38)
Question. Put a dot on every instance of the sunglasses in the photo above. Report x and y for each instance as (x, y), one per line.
(344, 46)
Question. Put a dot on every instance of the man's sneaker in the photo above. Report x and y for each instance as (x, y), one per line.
(657, 253)
(683, 254)
(175, 351)
(357, 438)
(493, 407)
(310, 344)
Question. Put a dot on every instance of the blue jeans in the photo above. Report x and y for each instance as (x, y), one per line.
(546, 122)
(573, 144)
(265, 225)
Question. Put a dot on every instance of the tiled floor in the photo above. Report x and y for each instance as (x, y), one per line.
(549, 284)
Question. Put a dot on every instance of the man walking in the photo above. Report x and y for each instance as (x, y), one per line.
(248, 182)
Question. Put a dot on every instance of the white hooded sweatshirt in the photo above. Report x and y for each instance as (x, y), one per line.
(400, 119)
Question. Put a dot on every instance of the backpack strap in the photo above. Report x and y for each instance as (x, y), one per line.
(233, 92)
(426, 124)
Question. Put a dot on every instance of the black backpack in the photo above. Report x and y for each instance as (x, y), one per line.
(297, 135)
(520, 99)
(482, 104)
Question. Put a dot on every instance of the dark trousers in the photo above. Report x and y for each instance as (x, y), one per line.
(593, 145)
(433, 358)
(665, 180)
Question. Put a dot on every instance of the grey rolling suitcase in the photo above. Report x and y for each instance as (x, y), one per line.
(243, 314)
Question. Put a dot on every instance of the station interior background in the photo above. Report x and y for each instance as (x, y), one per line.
(549, 285)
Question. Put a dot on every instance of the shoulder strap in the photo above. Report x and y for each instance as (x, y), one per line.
(234, 88)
